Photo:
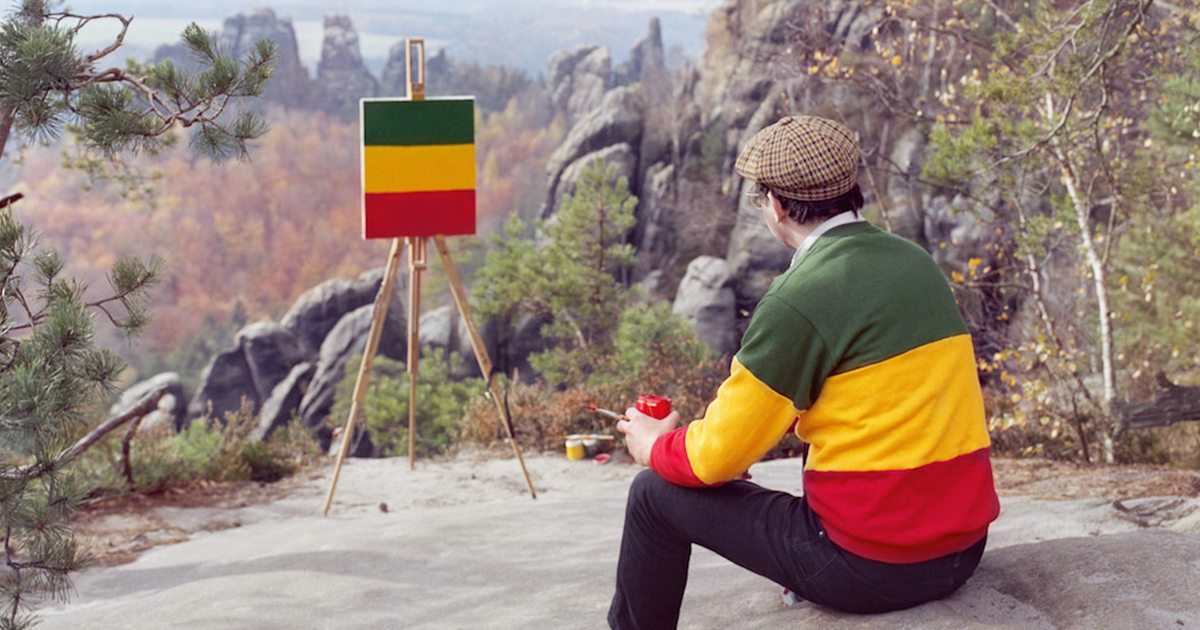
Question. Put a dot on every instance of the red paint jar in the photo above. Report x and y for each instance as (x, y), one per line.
(654, 406)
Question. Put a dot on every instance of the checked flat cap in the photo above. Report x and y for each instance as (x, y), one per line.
(802, 157)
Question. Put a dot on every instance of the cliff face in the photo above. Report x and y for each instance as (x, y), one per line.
(678, 135)
(676, 138)
(750, 76)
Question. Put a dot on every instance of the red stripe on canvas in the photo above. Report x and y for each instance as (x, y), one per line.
(430, 213)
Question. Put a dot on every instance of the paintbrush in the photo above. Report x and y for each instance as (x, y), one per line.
(615, 415)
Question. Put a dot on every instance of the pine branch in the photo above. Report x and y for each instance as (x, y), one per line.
(45, 80)
(145, 405)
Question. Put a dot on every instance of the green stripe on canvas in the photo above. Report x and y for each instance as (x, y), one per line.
(410, 123)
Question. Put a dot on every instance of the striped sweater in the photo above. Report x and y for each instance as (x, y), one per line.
(860, 347)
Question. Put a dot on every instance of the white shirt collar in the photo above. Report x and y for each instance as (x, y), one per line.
(837, 220)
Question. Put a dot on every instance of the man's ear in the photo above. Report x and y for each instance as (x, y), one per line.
(777, 207)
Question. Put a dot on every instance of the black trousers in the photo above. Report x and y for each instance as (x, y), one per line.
(771, 533)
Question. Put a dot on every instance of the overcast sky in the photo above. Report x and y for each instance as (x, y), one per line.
(381, 23)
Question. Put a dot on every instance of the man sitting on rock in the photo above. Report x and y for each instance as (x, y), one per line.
(860, 349)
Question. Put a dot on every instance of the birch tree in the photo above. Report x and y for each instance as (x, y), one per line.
(1054, 122)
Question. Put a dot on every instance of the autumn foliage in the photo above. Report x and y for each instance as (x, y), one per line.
(242, 241)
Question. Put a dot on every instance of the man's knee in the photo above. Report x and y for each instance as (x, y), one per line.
(645, 486)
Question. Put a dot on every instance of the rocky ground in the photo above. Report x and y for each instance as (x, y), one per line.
(123, 527)
(458, 543)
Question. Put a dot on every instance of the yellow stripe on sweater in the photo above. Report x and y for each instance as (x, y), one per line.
(388, 169)
(916, 408)
(738, 428)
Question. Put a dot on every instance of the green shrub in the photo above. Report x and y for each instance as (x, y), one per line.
(606, 347)
(218, 451)
(440, 403)
(654, 352)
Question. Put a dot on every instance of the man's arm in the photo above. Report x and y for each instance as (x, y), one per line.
(774, 377)
(738, 428)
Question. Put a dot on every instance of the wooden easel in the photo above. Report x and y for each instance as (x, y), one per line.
(417, 262)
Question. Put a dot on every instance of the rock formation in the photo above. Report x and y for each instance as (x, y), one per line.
(341, 74)
(347, 339)
(263, 355)
(646, 63)
(294, 367)
(706, 300)
(290, 83)
(394, 79)
(617, 120)
(621, 155)
(578, 79)
(443, 330)
(171, 407)
(319, 309)
(279, 408)
(653, 236)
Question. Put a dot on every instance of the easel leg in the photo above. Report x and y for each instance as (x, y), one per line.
(416, 262)
(382, 299)
(481, 354)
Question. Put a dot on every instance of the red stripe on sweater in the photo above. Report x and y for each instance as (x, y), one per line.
(903, 516)
(669, 459)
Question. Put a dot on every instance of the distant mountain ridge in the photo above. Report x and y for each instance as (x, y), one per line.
(342, 75)
(515, 34)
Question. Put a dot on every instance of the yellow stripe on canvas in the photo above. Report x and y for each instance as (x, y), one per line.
(396, 169)
(913, 409)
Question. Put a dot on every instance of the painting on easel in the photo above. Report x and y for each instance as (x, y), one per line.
(418, 178)
(418, 167)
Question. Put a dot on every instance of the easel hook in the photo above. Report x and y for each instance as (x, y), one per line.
(419, 258)
(416, 79)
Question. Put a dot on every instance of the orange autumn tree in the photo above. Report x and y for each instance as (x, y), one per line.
(242, 243)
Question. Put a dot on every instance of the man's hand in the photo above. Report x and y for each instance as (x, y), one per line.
(642, 430)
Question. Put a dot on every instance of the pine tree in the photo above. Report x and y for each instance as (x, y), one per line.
(572, 279)
(46, 84)
(51, 378)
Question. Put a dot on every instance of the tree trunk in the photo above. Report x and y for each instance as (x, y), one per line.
(6, 123)
(144, 405)
(1099, 277)
(126, 463)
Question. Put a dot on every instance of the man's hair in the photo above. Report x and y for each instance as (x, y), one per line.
(806, 211)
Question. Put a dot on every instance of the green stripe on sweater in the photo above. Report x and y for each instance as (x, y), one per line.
(858, 297)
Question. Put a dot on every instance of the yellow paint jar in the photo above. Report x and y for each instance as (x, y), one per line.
(574, 449)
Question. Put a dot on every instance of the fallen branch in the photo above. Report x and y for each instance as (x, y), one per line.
(126, 464)
(144, 405)
(1172, 403)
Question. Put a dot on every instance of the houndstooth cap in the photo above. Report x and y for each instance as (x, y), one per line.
(802, 157)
